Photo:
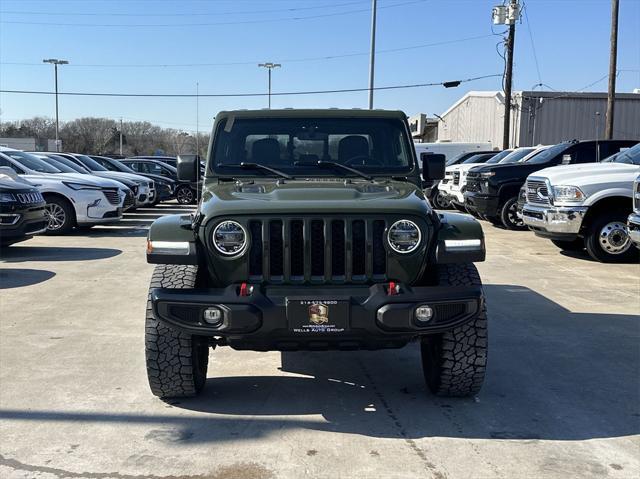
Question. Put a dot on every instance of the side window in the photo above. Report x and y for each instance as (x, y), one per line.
(585, 153)
(133, 166)
(18, 170)
(165, 172)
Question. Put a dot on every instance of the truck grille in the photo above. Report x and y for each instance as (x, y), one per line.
(112, 195)
(537, 192)
(473, 183)
(456, 177)
(320, 250)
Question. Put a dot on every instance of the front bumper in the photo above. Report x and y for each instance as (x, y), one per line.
(633, 225)
(486, 205)
(259, 321)
(554, 221)
(22, 224)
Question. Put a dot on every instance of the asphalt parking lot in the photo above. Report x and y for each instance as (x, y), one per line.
(562, 397)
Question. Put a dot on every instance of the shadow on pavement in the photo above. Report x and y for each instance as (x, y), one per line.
(17, 278)
(553, 375)
(18, 254)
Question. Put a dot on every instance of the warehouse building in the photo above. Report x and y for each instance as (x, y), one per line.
(538, 117)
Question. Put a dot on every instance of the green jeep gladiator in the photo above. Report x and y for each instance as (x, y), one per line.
(313, 233)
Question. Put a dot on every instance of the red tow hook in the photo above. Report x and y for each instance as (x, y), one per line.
(245, 290)
(394, 288)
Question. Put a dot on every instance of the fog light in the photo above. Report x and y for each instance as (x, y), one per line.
(213, 316)
(424, 313)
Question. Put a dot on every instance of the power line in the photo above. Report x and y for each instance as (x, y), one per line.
(208, 24)
(176, 14)
(227, 95)
(533, 45)
(253, 62)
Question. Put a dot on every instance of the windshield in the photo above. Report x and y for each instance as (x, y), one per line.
(296, 145)
(496, 158)
(57, 164)
(478, 158)
(548, 154)
(516, 155)
(90, 163)
(115, 165)
(31, 162)
(70, 164)
(630, 156)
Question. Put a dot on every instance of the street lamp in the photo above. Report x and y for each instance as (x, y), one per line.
(269, 66)
(55, 63)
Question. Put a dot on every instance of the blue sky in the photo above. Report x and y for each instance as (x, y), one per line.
(571, 39)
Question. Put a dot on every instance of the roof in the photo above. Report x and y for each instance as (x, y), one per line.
(314, 113)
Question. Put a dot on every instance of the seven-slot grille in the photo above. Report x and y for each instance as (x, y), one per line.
(537, 192)
(112, 195)
(317, 250)
(30, 198)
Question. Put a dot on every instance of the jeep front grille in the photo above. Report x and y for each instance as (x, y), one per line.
(317, 250)
(537, 192)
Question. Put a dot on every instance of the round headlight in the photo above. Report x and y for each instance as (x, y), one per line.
(230, 238)
(404, 236)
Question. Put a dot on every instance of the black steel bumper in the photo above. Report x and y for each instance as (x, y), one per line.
(483, 204)
(259, 322)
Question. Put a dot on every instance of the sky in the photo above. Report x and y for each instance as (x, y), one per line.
(115, 46)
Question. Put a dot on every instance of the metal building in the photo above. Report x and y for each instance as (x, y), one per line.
(538, 117)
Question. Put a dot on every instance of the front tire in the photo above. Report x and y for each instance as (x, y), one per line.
(509, 215)
(185, 195)
(60, 215)
(440, 202)
(608, 241)
(176, 362)
(454, 362)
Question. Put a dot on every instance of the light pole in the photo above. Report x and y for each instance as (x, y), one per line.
(269, 66)
(372, 53)
(55, 63)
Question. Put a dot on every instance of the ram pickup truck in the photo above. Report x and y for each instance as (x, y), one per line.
(313, 233)
(492, 190)
(585, 206)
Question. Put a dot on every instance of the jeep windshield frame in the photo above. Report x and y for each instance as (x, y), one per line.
(375, 146)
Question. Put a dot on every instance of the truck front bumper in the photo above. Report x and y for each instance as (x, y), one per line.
(554, 221)
(369, 317)
(486, 205)
(633, 225)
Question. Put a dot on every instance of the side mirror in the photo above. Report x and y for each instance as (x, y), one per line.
(188, 166)
(566, 159)
(433, 165)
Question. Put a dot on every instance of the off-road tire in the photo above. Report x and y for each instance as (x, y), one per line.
(508, 215)
(176, 361)
(593, 240)
(574, 245)
(454, 362)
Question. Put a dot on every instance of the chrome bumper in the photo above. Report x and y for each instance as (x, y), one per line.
(554, 219)
(633, 225)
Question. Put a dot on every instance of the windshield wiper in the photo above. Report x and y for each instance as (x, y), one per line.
(256, 166)
(333, 164)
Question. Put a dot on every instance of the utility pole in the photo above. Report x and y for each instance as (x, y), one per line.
(120, 135)
(613, 60)
(372, 53)
(55, 63)
(507, 15)
(269, 66)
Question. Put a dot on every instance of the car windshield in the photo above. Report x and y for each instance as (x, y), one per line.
(516, 155)
(57, 164)
(90, 163)
(70, 164)
(31, 162)
(548, 154)
(477, 158)
(497, 158)
(630, 156)
(113, 165)
(295, 146)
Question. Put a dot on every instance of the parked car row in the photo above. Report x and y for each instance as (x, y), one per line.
(578, 194)
(53, 193)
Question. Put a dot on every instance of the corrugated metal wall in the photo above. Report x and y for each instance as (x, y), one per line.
(559, 116)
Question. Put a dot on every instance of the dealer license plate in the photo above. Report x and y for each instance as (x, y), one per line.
(307, 316)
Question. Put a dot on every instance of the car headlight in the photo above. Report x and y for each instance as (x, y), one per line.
(7, 198)
(80, 186)
(404, 236)
(568, 193)
(487, 174)
(230, 238)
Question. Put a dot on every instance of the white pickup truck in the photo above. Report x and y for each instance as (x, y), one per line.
(633, 222)
(585, 206)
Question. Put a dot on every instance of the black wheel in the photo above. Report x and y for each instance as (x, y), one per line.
(440, 202)
(60, 215)
(575, 245)
(176, 362)
(454, 362)
(185, 195)
(607, 239)
(509, 215)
